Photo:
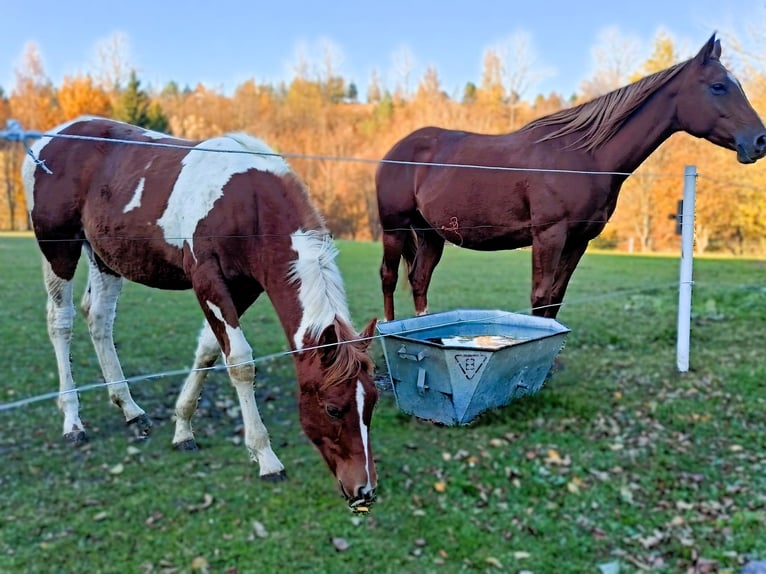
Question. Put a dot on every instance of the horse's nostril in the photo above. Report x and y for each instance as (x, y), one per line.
(760, 142)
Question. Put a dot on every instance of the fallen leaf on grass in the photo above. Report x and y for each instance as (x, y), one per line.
(259, 529)
(117, 468)
(200, 563)
(440, 486)
(610, 567)
(492, 561)
(521, 555)
(341, 544)
(207, 502)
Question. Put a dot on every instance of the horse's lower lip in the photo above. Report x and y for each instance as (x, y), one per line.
(366, 500)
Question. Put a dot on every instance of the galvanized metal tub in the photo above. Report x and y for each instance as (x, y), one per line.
(450, 367)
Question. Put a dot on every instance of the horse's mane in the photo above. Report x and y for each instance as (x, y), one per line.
(601, 118)
(351, 356)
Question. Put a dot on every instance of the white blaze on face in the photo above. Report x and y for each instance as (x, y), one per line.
(360, 396)
(735, 81)
(320, 286)
(203, 176)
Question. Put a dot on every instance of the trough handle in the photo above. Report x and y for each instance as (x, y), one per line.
(422, 386)
(417, 357)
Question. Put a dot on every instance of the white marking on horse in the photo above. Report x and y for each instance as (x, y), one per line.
(239, 350)
(135, 201)
(320, 292)
(735, 81)
(202, 179)
(360, 395)
(29, 167)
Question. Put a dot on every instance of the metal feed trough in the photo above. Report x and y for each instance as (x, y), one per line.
(450, 367)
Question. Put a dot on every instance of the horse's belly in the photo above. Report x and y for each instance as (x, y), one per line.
(138, 262)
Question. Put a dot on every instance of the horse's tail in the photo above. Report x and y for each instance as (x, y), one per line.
(409, 249)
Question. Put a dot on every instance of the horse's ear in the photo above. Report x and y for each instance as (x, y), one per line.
(368, 333)
(328, 345)
(710, 51)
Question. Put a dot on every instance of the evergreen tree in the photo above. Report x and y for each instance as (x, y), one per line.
(133, 103)
(135, 107)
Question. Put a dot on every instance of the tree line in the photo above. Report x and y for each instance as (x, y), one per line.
(332, 134)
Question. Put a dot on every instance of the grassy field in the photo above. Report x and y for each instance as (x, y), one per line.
(619, 464)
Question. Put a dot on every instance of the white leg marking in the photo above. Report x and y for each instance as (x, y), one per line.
(100, 307)
(242, 375)
(320, 289)
(208, 351)
(60, 315)
(360, 395)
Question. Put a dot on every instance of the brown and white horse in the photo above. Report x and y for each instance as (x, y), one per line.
(569, 166)
(228, 218)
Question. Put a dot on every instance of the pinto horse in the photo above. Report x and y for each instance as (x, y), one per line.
(227, 218)
(571, 165)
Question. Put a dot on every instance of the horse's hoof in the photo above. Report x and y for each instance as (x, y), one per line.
(275, 476)
(76, 438)
(188, 445)
(141, 425)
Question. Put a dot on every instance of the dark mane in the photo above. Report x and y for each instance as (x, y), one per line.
(599, 119)
(351, 356)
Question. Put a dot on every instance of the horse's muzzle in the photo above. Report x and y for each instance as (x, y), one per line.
(359, 499)
(751, 151)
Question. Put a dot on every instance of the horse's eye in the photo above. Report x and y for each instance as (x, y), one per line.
(718, 89)
(334, 411)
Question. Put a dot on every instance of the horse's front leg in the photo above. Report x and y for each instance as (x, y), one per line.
(547, 248)
(60, 315)
(99, 305)
(570, 257)
(223, 318)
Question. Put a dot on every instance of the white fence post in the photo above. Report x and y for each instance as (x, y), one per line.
(685, 283)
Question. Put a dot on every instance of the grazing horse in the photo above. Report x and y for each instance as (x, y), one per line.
(571, 165)
(227, 218)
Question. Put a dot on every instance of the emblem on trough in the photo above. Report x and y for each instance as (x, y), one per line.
(450, 367)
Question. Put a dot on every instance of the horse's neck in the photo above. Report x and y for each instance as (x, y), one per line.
(641, 134)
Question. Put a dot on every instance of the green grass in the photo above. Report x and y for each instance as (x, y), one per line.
(618, 459)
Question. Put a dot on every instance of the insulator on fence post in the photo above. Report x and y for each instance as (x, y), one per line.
(15, 133)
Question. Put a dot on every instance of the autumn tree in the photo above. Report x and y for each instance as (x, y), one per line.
(649, 196)
(615, 57)
(80, 95)
(33, 101)
(519, 69)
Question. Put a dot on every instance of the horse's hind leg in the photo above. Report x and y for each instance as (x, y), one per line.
(99, 305)
(430, 249)
(208, 351)
(394, 243)
(60, 315)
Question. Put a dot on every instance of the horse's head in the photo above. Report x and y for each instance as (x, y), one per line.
(714, 106)
(337, 397)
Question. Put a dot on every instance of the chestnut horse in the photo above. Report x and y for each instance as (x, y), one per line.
(227, 218)
(571, 165)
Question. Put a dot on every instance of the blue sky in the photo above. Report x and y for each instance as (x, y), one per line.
(225, 42)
